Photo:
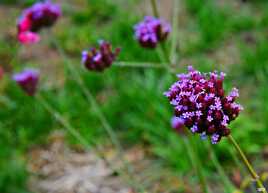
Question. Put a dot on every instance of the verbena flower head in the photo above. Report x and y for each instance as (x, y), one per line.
(99, 59)
(177, 123)
(27, 80)
(199, 100)
(40, 15)
(151, 31)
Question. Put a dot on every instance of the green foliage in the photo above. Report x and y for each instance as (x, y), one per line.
(96, 10)
(132, 99)
(255, 61)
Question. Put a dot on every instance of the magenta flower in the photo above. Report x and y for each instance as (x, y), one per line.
(28, 37)
(40, 15)
(99, 59)
(199, 99)
(27, 80)
(151, 31)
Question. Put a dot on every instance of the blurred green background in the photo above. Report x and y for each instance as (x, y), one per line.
(227, 35)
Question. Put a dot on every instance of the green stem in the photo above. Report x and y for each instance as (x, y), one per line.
(163, 50)
(196, 164)
(240, 166)
(154, 7)
(139, 65)
(174, 41)
(253, 173)
(62, 121)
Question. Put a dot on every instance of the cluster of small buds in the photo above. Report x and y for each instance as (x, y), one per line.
(98, 60)
(199, 100)
(151, 31)
(40, 15)
(27, 80)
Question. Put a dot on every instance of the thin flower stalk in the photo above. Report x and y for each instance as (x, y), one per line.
(241, 167)
(173, 56)
(96, 109)
(253, 173)
(80, 138)
(154, 7)
(163, 52)
(140, 64)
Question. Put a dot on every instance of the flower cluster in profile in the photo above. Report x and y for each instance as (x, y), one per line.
(27, 80)
(38, 16)
(151, 31)
(199, 100)
(99, 59)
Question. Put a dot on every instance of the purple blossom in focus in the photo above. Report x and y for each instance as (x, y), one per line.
(27, 80)
(99, 59)
(209, 111)
(151, 31)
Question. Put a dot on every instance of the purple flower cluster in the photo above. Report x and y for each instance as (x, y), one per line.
(100, 59)
(40, 15)
(199, 100)
(28, 80)
(151, 31)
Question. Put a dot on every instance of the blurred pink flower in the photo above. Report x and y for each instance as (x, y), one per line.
(28, 37)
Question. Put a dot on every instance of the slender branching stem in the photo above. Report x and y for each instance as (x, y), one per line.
(241, 167)
(155, 9)
(173, 56)
(62, 121)
(163, 51)
(253, 173)
(140, 65)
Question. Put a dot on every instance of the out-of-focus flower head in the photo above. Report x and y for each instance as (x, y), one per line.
(38, 16)
(27, 80)
(151, 31)
(99, 59)
(199, 99)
